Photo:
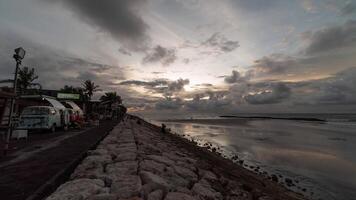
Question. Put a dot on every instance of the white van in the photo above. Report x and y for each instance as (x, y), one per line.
(43, 117)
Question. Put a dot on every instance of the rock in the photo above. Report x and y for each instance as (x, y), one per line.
(208, 175)
(124, 167)
(152, 166)
(155, 195)
(161, 159)
(126, 186)
(274, 178)
(174, 179)
(186, 165)
(288, 181)
(264, 198)
(178, 196)
(186, 173)
(103, 197)
(98, 152)
(78, 189)
(83, 171)
(205, 192)
(154, 181)
(125, 157)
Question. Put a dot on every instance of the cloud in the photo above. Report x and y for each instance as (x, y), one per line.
(336, 90)
(236, 77)
(331, 38)
(56, 68)
(160, 86)
(119, 18)
(274, 93)
(169, 104)
(160, 54)
(348, 9)
(215, 103)
(274, 64)
(124, 51)
(219, 41)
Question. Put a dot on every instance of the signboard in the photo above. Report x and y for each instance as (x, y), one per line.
(68, 96)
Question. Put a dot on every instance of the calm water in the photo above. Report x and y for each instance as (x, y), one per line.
(321, 157)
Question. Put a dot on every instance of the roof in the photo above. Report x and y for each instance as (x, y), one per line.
(6, 94)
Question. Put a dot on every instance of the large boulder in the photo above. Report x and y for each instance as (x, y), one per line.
(126, 186)
(205, 192)
(178, 196)
(79, 189)
(124, 167)
(161, 159)
(152, 166)
(155, 181)
(155, 195)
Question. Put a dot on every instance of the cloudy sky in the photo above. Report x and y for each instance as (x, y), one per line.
(191, 56)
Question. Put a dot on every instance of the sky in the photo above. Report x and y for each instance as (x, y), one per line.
(186, 57)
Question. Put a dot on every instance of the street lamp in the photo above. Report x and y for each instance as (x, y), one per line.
(18, 56)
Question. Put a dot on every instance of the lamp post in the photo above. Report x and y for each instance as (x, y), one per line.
(18, 56)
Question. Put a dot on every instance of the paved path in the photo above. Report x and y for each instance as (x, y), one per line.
(137, 162)
(20, 179)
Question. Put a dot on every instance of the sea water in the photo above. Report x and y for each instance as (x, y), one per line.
(320, 157)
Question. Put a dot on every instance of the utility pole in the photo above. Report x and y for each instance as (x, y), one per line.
(18, 56)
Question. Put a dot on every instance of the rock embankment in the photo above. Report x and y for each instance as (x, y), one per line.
(137, 162)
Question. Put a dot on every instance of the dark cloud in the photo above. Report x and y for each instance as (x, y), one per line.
(162, 86)
(274, 93)
(210, 101)
(331, 38)
(274, 64)
(219, 41)
(160, 54)
(348, 9)
(236, 77)
(169, 104)
(124, 51)
(56, 68)
(120, 18)
(338, 89)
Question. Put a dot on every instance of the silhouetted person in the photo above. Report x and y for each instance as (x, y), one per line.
(163, 129)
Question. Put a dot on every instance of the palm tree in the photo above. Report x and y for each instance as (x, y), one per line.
(111, 97)
(89, 88)
(26, 76)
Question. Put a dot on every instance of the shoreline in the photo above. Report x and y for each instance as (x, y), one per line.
(152, 165)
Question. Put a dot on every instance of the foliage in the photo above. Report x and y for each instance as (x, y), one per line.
(89, 88)
(26, 76)
(72, 89)
(112, 97)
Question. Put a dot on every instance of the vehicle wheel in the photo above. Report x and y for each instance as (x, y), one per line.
(65, 128)
(53, 128)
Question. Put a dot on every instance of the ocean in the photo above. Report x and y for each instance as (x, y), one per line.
(318, 155)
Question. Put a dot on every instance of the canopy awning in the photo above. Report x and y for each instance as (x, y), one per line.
(75, 106)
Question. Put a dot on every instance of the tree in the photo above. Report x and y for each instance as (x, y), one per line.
(89, 88)
(26, 76)
(111, 97)
(72, 89)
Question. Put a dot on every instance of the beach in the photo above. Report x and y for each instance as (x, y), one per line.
(137, 161)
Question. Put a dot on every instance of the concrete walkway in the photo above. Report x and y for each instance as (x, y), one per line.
(137, 162)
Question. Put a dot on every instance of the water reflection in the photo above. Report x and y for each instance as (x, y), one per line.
(320, 157)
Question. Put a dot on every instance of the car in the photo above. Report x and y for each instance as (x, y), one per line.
(43, 118)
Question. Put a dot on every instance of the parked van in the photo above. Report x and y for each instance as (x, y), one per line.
(43, 117)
